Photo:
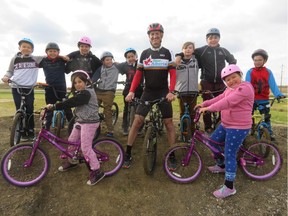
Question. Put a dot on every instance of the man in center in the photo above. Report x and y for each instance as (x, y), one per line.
(155, 64)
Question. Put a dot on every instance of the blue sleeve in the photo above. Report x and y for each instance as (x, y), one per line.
(248, 75)
(273, 86)
(96, 75)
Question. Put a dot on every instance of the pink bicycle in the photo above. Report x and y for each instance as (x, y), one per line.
(26, 164)
(253, 162)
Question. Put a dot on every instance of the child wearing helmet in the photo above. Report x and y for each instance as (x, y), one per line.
(263, 80)
(235, 104)
(86, 123)
(83, 59)
(54, 69)
(211, 59)
(107, 74)
(23, 70)
(128, 68)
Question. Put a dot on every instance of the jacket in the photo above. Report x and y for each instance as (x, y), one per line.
(211, 61)
(235, 105)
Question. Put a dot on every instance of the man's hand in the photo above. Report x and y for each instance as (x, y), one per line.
(130, 97)
(170, 97)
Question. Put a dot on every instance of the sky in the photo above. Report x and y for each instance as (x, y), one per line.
(115, 25)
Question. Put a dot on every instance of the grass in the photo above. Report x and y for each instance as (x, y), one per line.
(278, 111)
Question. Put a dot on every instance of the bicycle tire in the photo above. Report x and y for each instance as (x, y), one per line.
(186, 129)
(110, 154)
(150, 150)
(264, 136)
(71, 125)
(183, 173)
(115, 113)
(58, 124)
(252, 166)
(14, 171)
(17, 127)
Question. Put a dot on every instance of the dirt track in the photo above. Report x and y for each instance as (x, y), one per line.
(131, 192)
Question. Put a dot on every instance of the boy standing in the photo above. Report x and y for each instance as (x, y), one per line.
(23, 70)
(54, 70)
(262, 80)
(108, 75)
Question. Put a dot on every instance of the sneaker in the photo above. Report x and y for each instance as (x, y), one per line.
(125, 132)
(31, 136)
(95, 177)
(224, 191)
(24, 138)
(109, 134)
(172, 164)
(66, 166)
(127, 161)
(216, 169)
(272, 137)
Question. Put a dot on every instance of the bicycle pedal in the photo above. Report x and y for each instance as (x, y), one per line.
(242, 162)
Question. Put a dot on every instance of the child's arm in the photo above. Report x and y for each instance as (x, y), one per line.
(273, 86)
(248, 75)
(229, 57)
(79, 99)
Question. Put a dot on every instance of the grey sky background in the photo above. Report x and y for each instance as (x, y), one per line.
(115, 25)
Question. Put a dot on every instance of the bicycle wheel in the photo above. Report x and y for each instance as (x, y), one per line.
(264, 136)
(115, 113)
(183, 173)
(58, 124)
(258, 167)
(13, 165)
(71, 125)
(110, 154)
(150, 150)
(16, 129)
(186, 130)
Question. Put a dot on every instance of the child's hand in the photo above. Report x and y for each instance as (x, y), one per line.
(203, 109)
(50, 106)
(197, 106)
(5, 79)
(65, 58)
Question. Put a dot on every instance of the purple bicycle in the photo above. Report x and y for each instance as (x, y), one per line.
(26, 164)
(253, 162)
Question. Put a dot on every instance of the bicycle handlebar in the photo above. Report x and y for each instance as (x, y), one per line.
(18, 86)
(148, 103)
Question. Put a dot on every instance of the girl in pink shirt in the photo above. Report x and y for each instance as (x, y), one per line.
(235, 104)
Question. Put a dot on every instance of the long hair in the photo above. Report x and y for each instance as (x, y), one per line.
(83, 78)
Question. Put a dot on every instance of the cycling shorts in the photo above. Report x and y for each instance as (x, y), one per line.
(165, 107)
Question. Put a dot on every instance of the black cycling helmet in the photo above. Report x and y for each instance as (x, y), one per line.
(27, 40)
(260, 52)
(213, 31)
(52, 45)
(128, 50)
(155, 27)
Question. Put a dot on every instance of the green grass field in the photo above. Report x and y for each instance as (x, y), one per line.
(278, 111)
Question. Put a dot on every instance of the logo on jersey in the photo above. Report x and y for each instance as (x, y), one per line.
(155, 63)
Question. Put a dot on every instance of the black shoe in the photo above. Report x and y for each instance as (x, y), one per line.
(95, 177)
(172, 163)
(31, 136)
(127, 161)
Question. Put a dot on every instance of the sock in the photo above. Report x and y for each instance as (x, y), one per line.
(229, 184)
(128, 149)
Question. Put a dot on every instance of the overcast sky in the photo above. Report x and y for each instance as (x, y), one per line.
(114, 25)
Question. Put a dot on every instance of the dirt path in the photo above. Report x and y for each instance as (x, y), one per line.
(131, 192)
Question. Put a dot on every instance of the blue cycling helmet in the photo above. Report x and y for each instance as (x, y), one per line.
(27, 40)
(129, 50)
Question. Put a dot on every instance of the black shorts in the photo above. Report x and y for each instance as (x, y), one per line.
(165, 107)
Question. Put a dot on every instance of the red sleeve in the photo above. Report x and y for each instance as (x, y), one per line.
(172, 79)
(136, 81)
